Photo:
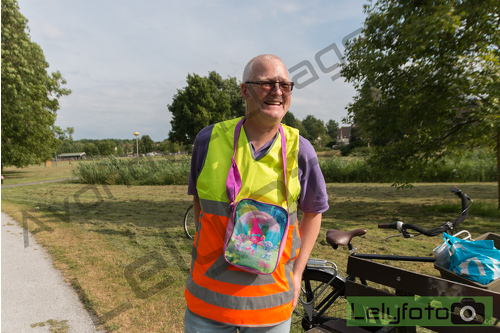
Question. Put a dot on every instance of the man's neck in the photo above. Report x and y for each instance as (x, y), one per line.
(259, 134)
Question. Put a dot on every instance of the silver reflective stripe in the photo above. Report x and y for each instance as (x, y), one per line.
(215, 207)
(293, 217)
(242, 303)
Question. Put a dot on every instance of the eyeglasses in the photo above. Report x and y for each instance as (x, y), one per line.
(285, 87)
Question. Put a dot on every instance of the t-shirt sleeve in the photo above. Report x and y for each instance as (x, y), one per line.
(200, 149)
(313, 196)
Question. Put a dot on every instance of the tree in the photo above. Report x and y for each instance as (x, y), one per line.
(119, 150)
(173, 147)
(90, 149)
(106, 147)
(315, 128)
(290, 120)
(331, 128)
(69, 132)
(427, 75)
(231, 87)
(146, 145)
(205, 101)
(128, 148)
(66, 139)
(30, 96)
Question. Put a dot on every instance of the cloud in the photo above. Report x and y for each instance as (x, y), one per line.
(125, 62)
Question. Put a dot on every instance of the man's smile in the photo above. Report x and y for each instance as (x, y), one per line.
(273, 102)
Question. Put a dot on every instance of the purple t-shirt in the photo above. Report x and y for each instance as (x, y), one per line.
(313, 197)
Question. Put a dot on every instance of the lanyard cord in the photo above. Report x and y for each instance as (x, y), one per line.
(233, 182)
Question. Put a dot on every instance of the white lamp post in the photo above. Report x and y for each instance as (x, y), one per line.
(137, 145)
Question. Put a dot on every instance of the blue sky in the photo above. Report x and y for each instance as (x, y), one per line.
(124, 60)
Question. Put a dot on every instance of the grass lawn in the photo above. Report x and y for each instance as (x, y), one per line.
(59, 170)
(124, 250)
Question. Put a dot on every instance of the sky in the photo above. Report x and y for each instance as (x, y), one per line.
(125, 60)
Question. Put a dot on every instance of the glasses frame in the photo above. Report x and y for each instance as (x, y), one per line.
(273, 84)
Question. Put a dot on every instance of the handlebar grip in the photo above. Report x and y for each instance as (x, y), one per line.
(388, 225)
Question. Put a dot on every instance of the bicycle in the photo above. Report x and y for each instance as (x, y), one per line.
(322, 296)
(189, 226)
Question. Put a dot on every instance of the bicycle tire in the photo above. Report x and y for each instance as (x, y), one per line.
(189, 226)
(313, 282)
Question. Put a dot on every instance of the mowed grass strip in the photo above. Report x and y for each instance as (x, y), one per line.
(36, 173)
(124, 250)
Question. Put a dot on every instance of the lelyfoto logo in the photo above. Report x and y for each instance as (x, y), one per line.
(419, 311)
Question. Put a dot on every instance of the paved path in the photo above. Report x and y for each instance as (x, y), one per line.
(33, 291)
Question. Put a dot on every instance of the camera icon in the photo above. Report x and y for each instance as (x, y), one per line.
(469, 311)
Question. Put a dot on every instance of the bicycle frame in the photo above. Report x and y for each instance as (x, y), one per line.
(327, 267)
(330, 268)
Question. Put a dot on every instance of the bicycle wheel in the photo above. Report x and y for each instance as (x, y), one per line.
(189, 226)
(319, 284)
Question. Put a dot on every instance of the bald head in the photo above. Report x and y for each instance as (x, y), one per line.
(248, 71)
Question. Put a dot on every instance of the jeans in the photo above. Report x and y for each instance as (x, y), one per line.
(196, 324)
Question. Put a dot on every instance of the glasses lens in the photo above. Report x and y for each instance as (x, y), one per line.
(286, 87)
(266, 85)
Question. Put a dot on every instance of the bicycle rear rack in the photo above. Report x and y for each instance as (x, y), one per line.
(324, 266)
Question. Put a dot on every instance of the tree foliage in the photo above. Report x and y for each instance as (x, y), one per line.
(427, 74)
(146, 145)
(106, 147)
(204, 101)
(331, 128)
(30, 96)
(315, 128)
(91, 149)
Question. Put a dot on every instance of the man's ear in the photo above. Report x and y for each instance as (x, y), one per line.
(244, 90)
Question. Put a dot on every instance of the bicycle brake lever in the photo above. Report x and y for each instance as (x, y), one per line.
(393, 236)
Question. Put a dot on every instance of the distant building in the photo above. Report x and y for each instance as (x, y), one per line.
(343, 135)
(71, 156)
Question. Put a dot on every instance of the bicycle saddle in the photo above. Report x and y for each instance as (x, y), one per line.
(337, 237)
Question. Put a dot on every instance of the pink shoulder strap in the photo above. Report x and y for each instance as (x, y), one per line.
(233, 182)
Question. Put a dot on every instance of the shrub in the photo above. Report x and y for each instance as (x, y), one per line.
(154, 171)
(474, 166)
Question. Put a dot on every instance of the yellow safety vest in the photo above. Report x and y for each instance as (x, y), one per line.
(214, 289)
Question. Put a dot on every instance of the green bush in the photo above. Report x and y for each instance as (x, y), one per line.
(474, 166)
(346, 150)
(153, 171)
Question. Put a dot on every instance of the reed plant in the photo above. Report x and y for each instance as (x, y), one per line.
(474, 166)
(151, 171)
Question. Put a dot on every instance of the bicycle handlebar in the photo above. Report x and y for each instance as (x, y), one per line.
(387, 225)
(402, 227)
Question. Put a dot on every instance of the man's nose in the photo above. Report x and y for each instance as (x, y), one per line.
(276, 89)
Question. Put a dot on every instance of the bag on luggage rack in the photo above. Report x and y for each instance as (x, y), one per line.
(476, 260)
(443, 253)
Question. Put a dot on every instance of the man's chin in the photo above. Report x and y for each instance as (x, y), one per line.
(271, 113)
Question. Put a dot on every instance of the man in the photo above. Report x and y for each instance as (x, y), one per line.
(221, 297)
